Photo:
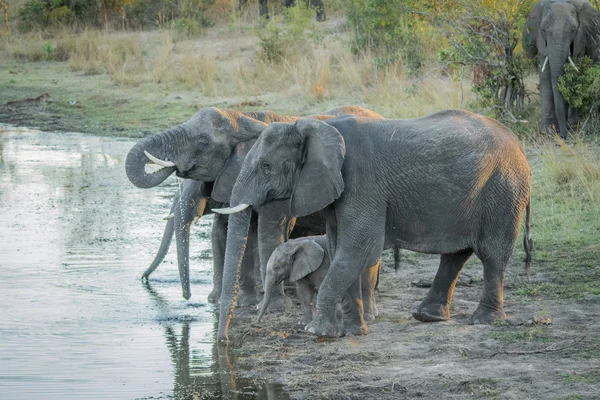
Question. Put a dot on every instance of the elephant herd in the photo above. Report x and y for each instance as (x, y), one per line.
(316, 199)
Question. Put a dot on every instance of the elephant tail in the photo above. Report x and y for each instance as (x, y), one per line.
(527, 241)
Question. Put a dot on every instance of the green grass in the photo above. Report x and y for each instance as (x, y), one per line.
(520, 334)
(592, 376)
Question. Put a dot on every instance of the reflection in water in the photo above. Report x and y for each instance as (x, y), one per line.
(192, 381)
(75, 323)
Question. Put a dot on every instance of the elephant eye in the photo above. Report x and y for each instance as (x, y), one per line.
(266, 167)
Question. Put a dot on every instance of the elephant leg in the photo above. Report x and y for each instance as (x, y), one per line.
(359, 246)
(369, 279)
(436, 306)
(353, 311)
(491, 305)
(305, 294)
(573, 117)
(248, 295)
(218, 240)
(549, 121)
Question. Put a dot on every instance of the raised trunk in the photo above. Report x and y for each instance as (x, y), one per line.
(135, 164)
(237, 237)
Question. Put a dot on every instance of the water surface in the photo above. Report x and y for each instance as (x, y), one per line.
(76, 322)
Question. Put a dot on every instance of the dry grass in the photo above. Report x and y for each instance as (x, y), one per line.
(225, 62)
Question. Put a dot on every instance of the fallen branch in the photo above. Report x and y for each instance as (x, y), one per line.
(548, 349)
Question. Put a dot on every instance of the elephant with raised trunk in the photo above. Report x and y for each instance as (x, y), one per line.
(210, 147)
(557, 31)
(452, 183)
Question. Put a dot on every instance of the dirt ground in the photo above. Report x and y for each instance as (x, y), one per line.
(547, 349)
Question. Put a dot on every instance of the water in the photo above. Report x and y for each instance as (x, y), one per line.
(76, 322)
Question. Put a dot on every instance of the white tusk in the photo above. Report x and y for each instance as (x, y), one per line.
(169, 216)
(573, 64)
(545, 62)
(231, 210)
(158, 161)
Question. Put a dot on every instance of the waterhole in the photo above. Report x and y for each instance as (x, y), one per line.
(76, 321)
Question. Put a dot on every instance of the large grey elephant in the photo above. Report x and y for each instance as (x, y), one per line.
(556, 31)
(210, 147)
(452, 183)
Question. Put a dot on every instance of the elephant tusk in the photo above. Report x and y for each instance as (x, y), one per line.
(573, 64)
(545, 62)
(231, 210)
(169, 216)
(158, 161)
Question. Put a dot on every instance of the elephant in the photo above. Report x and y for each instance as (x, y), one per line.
(210, 148)
(555, 32)
(452, 183)
(263, 7)
(304, 261)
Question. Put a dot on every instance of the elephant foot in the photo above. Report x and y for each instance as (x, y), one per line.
(431, 312)
(324, 327)
(484, 315)
(214, 296)
(305, 320)
(246, 298)
(355, 325)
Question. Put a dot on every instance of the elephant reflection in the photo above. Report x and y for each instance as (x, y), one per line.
(191, 382)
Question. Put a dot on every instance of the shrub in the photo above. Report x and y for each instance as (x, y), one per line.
(282, 37)
(386, 28)
(581, 89)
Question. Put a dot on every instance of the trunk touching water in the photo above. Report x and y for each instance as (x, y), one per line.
(135, 164)
(237, 237)
(163, 249)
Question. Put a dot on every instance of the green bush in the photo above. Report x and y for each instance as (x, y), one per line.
(387, 28)
(581, 89)
(281, 37)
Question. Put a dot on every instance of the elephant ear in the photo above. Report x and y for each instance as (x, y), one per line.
(319, 178)
(587, 39)
(306, 260)
(533, 41)
(223, 186)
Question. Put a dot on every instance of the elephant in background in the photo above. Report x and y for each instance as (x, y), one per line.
(556, 31)
(263, 7)
(210, 148)
(452, 183)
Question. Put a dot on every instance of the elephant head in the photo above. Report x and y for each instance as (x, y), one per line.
(200, 149)
(292, 260)
(298, 163)
(556, 31)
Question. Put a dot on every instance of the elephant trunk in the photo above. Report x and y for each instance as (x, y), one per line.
(269, 284)
(237, 237)
(182, 235)
(163, 249)
(135, 164)
(557, 57)
(190, 205)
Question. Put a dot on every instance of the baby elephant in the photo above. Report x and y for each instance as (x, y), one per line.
(304, 261)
